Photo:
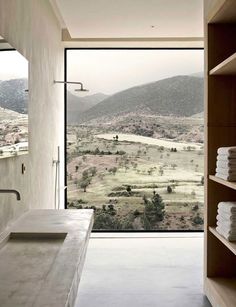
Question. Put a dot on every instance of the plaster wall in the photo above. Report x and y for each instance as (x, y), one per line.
(31, 27)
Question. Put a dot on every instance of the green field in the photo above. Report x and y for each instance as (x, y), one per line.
(123, 173)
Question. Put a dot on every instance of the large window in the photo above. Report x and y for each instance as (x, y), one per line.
(135, 140)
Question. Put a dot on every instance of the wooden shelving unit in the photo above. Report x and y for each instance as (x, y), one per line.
(220, 130)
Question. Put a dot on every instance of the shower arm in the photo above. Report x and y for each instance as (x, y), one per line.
(69, 82)
(82, 89)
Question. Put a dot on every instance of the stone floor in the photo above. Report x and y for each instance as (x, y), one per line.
(143, 272)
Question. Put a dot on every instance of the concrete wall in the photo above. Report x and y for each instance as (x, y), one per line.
(31, 27)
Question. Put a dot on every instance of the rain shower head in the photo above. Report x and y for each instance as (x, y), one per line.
(81, 89)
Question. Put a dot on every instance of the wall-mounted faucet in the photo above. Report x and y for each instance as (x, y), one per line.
(11, 191)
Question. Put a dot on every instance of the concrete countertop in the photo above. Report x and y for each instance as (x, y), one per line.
(58, 287)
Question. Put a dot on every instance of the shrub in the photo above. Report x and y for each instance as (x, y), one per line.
(198, 220)
(136, 213)
(169, 189)
(154, 210)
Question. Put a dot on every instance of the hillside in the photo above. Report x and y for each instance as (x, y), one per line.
(76, 105)
(13, 95)
(177, 96)
(7, 115)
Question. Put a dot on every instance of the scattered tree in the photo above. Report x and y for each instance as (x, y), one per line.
(84, 184)
(128, 189)
(154, 210)
(169, 189)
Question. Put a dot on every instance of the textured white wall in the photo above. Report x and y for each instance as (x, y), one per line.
(31, 27)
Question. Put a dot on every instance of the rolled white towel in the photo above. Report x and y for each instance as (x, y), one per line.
(226, 150)
(226, 235)
(227, 206)
(229, 164)
(226, 171)
(228, 157)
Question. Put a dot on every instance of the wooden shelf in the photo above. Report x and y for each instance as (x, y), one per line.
(231, 245)
(228, 184)
(227, 67)
(221, 291)
(223, 12)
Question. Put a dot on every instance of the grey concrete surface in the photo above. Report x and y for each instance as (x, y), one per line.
(42, 258)
(143, 272)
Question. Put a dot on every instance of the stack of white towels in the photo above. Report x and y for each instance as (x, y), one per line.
(226, 220)
(226, 163)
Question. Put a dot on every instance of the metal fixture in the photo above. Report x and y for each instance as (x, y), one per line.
(11, 191)
(57, 179)
(81, 89)
(23, 168)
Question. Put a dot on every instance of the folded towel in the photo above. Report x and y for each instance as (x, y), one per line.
(226, 171)
(227, 230)
(228, 157)
(226, 150)
(227, 226)
(227, 206)
(226, 177)
(227, 236)
(226, 217)
(231, 164)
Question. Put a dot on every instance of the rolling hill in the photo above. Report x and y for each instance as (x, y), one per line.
(177, 96)
(77, 105)
(13, 95)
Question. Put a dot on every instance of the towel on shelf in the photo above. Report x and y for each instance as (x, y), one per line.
(231, 177)
(230, 226)
(227, 230)
(226, 235)
(225, 217)
(226, 150)
(227, 226)
(227, 206)
(226, 171)
(229, 157)
(231, 164)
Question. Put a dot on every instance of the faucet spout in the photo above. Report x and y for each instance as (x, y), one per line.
(11, 191)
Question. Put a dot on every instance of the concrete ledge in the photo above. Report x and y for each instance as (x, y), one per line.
(58, 286)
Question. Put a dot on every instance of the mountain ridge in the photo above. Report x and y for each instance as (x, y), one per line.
(175, 96)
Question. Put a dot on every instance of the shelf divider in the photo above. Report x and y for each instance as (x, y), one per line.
(227, 67)
(221, 291)
(230, 245)
(226, 183)
(223, 12)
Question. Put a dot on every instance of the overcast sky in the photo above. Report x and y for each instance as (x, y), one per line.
(12, 65)
(110, 71)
